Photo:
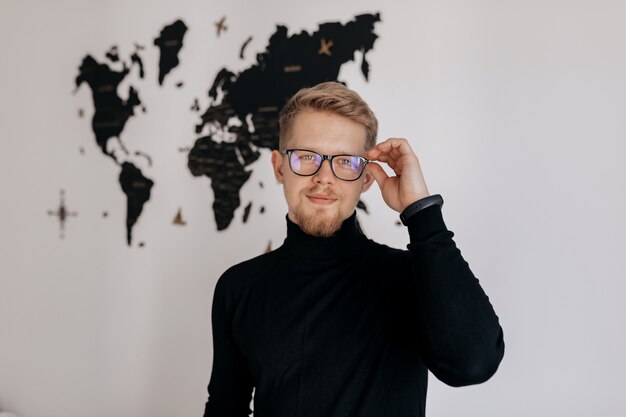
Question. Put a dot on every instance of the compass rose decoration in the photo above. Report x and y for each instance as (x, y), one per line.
(62, 214)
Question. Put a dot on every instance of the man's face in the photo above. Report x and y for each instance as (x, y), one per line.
(321, 202)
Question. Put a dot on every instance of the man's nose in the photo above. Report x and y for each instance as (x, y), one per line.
(325, 173)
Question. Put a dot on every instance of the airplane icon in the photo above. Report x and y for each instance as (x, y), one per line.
(220, 26)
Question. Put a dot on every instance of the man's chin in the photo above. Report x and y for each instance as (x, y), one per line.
(320, 222)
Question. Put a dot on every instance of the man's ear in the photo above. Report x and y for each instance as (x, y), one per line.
(368, 179)
(277, 165)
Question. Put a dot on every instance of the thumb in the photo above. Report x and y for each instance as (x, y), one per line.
(377, 172)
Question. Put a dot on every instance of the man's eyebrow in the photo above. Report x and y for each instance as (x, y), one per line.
(344, 152)
(338, 152)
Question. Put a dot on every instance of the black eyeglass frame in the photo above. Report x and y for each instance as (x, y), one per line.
(324, 157)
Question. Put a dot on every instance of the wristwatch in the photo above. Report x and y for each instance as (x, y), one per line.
(420, 204)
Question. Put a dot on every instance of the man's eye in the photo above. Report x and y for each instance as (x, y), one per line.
(307, 157)
(349, 162)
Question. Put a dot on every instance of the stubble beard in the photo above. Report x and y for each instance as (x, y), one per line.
(318, 222)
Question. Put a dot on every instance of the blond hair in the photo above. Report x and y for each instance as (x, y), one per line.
(332, 97)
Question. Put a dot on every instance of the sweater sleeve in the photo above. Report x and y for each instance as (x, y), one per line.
(460, 338)
(231, 384)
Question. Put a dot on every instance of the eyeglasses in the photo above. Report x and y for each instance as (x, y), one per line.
(306, 163)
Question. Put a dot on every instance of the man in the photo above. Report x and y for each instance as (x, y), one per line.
(333, 324)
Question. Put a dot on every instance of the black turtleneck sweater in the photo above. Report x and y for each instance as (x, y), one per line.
(345, 327)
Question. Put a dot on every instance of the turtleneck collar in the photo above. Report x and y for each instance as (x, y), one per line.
(347, 241)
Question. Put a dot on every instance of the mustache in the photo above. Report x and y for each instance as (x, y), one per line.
(326, 191)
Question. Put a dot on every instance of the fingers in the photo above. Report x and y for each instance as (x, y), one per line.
(378, 172)
(393, 146)
(391, 151)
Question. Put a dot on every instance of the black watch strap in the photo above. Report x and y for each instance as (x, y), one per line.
(420, 204)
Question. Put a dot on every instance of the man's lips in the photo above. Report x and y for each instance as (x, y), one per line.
(321, 198)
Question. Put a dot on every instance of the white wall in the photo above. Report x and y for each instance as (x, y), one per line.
(515, 109)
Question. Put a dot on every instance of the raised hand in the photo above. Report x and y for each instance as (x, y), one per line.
(408, 185)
